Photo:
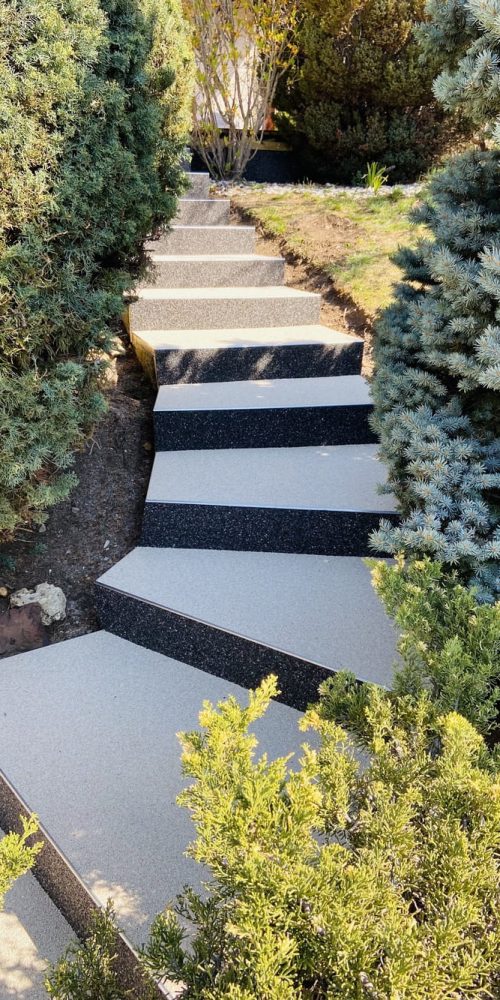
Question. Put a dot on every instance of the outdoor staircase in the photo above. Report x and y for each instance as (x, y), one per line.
(261, 502)
(264, 489)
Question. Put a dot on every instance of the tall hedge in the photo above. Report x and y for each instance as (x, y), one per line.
(83, 165)
(362, 91)
(437, 353)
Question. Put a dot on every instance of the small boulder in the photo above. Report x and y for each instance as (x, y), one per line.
(50, 598)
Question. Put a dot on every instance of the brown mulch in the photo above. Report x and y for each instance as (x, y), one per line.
(96, 526)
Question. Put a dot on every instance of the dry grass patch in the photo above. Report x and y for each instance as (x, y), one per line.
(348, 237)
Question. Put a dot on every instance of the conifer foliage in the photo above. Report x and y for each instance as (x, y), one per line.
(362, 91)
(81, 183)
(333, 881)
(437, 354)
(18, 852)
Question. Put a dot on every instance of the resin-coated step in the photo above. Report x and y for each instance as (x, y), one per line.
(318, 500)
(32, 931)
(214, 271)
(230, 307)
(99, 718)
(204, 239)
(203, 212)
(295, 352)
(199, 185)
(263, 413)
(243, 614)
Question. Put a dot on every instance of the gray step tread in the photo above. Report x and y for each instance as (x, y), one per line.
(210, 340)
(170, 258)
(226, 292)
(99, 700)
(344, 477)
(204, 201)
(32, 933)
(333, 390)
(320, 608)
(215, 229)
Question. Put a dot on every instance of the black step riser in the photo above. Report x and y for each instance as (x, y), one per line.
(214, 650)
(185, 430)
(258, 529)
(238, 364)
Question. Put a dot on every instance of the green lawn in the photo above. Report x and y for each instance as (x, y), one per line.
(350, 238)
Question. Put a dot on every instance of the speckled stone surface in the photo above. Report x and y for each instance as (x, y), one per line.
(324, 478)
(204, 239)
(72, 899)
(236, 613)
(230, 307)
(319, 500)
(213, 271)
(199, 185)
(185, 357)
(32, 933)
(103, 715)
(347, 390)
(265, 413)
(258, 529)
(203, 211)
(252, 428)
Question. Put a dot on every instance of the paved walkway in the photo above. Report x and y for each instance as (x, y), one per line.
(262, 499)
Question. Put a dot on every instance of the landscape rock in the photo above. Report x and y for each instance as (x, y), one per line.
(51, 599)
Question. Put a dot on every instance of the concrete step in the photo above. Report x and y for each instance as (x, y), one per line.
(212, 308)
(101, 716)
(241, 615)
(199, 185)
(263, 413)
(306, 500)
(201, 356)
(203, 212)
(215, 271)
(203, 240)
(32, 933)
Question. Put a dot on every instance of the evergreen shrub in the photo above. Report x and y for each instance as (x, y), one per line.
(449, 643)
(330, 879)
(361, 92)
(86, 150)
(437, 349)
(87, 971)
(17, 856)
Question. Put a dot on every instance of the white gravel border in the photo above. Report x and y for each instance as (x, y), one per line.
(320, 190)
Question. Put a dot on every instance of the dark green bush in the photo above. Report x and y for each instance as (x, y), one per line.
(333, 880)
(86, 150)
(362, 93)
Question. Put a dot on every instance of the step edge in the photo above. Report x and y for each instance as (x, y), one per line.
(271, 506)
(251, 409)
(318, 341)
(213, 258)
(273, 292)
(176, 226)
(60, 890)
(218, 628)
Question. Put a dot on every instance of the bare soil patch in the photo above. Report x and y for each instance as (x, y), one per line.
(338, 311)
(101, 520)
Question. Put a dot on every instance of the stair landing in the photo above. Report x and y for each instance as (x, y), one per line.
(32, 933)
(102, 715)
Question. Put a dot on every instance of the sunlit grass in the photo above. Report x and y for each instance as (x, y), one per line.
(351, 239)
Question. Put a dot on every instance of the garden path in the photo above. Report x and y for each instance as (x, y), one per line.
(261, 501)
